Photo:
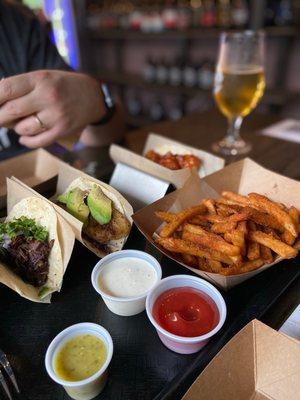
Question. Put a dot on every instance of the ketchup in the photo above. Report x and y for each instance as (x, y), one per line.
(185, 311)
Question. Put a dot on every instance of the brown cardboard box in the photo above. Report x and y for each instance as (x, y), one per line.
(257, 364)
(243, 177)
(35, 169)
(209, 162)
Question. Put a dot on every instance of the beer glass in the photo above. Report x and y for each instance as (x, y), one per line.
(239, 84)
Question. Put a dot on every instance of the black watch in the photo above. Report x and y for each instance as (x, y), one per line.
(109, 106)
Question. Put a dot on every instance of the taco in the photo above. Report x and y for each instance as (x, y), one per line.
(30, 253)
(105, 223)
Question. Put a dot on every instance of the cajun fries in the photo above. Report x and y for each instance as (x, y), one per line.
(232, 235)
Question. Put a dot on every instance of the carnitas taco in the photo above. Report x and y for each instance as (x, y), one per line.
(30, 254)
(105, 223)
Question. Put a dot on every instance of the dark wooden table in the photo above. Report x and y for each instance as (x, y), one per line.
(142, 368)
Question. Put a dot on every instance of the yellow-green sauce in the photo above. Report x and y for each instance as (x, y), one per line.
(79, 358)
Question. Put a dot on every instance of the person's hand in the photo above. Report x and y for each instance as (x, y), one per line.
(43, 105)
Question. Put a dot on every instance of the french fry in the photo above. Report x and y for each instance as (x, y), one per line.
(184, 246)
(215, 266)
(266, 254)
(236, 237)
(251, 265)
(209, 239)
(203, 264)
(242, 227)
(179, 218)
(275, 210)
(210, 205)
(253, 251)
(288, 238)
(165, 216)
(235, 198)
(276, 245)
(223, 227)
(199, 219)
(263, 219)
(190, 260)
(294, 214)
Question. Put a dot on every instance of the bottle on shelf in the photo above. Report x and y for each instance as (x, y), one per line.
(150, 70)
(284, 13)
(208, 14)
(223, 14)
(134, 105)
(161, 72)
(206, 75)
(176, 72)
(189, 76)
(157, 110)
(239, 13)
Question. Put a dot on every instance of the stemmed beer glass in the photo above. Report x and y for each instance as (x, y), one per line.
(239, 84)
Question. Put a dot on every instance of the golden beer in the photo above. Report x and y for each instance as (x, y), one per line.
(237, 92)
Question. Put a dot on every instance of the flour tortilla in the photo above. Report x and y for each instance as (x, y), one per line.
(86, 185)
(44, 214)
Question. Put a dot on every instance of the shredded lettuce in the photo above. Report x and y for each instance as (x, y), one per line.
(23, 226)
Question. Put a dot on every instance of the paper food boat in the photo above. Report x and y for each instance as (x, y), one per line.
(257, 364)
(35, 168)
(66, 175)
(243, 177)
(15, 193)
(209, 162)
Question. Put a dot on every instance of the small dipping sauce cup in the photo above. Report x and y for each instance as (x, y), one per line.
(88, 388)
(183, 344)
(124, 278)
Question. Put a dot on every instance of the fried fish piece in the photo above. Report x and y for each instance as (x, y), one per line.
(117, 228)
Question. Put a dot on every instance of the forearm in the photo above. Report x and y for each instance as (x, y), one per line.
(108, 133)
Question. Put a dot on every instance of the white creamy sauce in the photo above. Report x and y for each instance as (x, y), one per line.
(127, 277)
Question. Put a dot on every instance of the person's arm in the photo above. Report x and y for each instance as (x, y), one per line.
(44, 105)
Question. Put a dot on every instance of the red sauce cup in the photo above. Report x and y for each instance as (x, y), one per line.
(182, 344)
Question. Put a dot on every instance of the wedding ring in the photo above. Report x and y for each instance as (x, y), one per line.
(39, 121)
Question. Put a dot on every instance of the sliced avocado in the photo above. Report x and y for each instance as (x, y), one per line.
(76, 205)
(99, 205)
(63, 198)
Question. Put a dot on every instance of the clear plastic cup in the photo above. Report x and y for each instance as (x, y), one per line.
(181, 344)
(124, 306)
(88, 388)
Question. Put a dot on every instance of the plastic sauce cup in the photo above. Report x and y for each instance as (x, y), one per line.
(88, 388)
(124, 306)
(180, 344)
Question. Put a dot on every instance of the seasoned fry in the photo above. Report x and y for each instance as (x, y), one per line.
(210, 205)
(294, 214)
(253, 252)
(262, 218)
(211, 240)
(276, 245)
(288, 238)
(266, 254)
(235, 198)
(215, 266)
(165, 216)
(223, 227)
(236, 237)
(242, 227)
(275, 210)
(190, 260)
(180, 217)
(184, 246)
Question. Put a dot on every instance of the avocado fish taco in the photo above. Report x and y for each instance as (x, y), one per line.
(31, 259)
(106, 224)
